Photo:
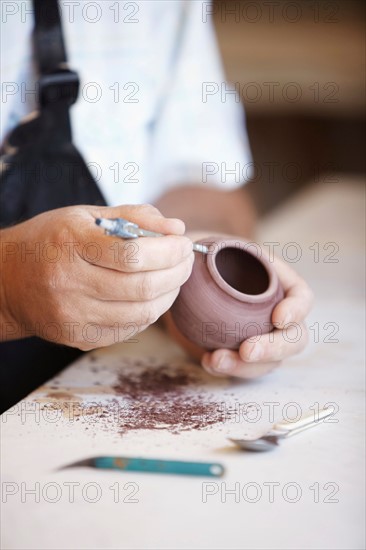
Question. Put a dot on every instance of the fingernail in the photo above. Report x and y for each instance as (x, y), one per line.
(179, 222)
(205, 361)
(225, 364)
(256, 353)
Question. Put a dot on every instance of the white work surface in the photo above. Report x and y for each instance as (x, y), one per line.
(176, 512)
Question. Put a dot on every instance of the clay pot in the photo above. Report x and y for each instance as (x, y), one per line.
(229, 296)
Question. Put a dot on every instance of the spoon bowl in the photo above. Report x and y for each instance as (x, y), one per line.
(282, 430)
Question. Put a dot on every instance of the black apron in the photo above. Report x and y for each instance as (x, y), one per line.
(42, 170)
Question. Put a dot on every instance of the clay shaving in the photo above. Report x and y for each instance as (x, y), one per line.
(160, 398)
(144, 397)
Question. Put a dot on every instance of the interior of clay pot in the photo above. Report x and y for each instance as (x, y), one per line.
(242, 271)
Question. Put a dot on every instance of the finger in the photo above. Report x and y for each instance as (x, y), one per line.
(286, 274)
(298, 299)
(137, 313)
(111, 285)
(82, 238)
(145, 215)
(228, 363)
(136, 255)
(275, 346)
(295, 306)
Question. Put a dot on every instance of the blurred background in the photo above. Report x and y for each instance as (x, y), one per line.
(300, 70)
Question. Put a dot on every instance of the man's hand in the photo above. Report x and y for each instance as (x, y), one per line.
(259, 355)
(67, 282)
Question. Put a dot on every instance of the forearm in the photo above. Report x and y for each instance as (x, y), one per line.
(9, 328)
(210, 210)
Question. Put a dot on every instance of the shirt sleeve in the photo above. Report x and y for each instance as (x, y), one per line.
(200, 137)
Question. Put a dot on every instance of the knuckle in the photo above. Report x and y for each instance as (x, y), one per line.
(178, 249)
(99, 288)
(58, 279)
(145, 289)
(131, 260)
(148, 208)
(61, 310)
(188, 269)
(178, 278)
(89, 346)
(143, 210)
(84, 346)
(148, 315)
(54, 278)
(171, 297)
(63, 232)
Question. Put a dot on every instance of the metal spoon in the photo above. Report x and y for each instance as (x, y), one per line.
(282, 430)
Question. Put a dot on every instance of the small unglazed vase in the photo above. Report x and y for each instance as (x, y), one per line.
(229, 296)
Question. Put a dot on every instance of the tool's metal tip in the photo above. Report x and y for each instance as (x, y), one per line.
(200, 248)
(78, 464)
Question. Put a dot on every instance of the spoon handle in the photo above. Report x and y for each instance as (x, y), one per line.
(308, 421)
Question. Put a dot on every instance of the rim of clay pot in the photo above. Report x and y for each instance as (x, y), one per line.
(220, 281)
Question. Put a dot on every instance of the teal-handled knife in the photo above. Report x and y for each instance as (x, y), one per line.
(157, 466)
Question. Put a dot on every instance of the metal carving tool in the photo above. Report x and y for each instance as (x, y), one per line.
(282, 430)
(129, 230)
(157, 466)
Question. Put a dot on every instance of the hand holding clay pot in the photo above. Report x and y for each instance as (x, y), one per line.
(229, 296)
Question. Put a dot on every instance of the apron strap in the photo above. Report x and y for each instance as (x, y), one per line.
(49, 42)
(58, 85)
